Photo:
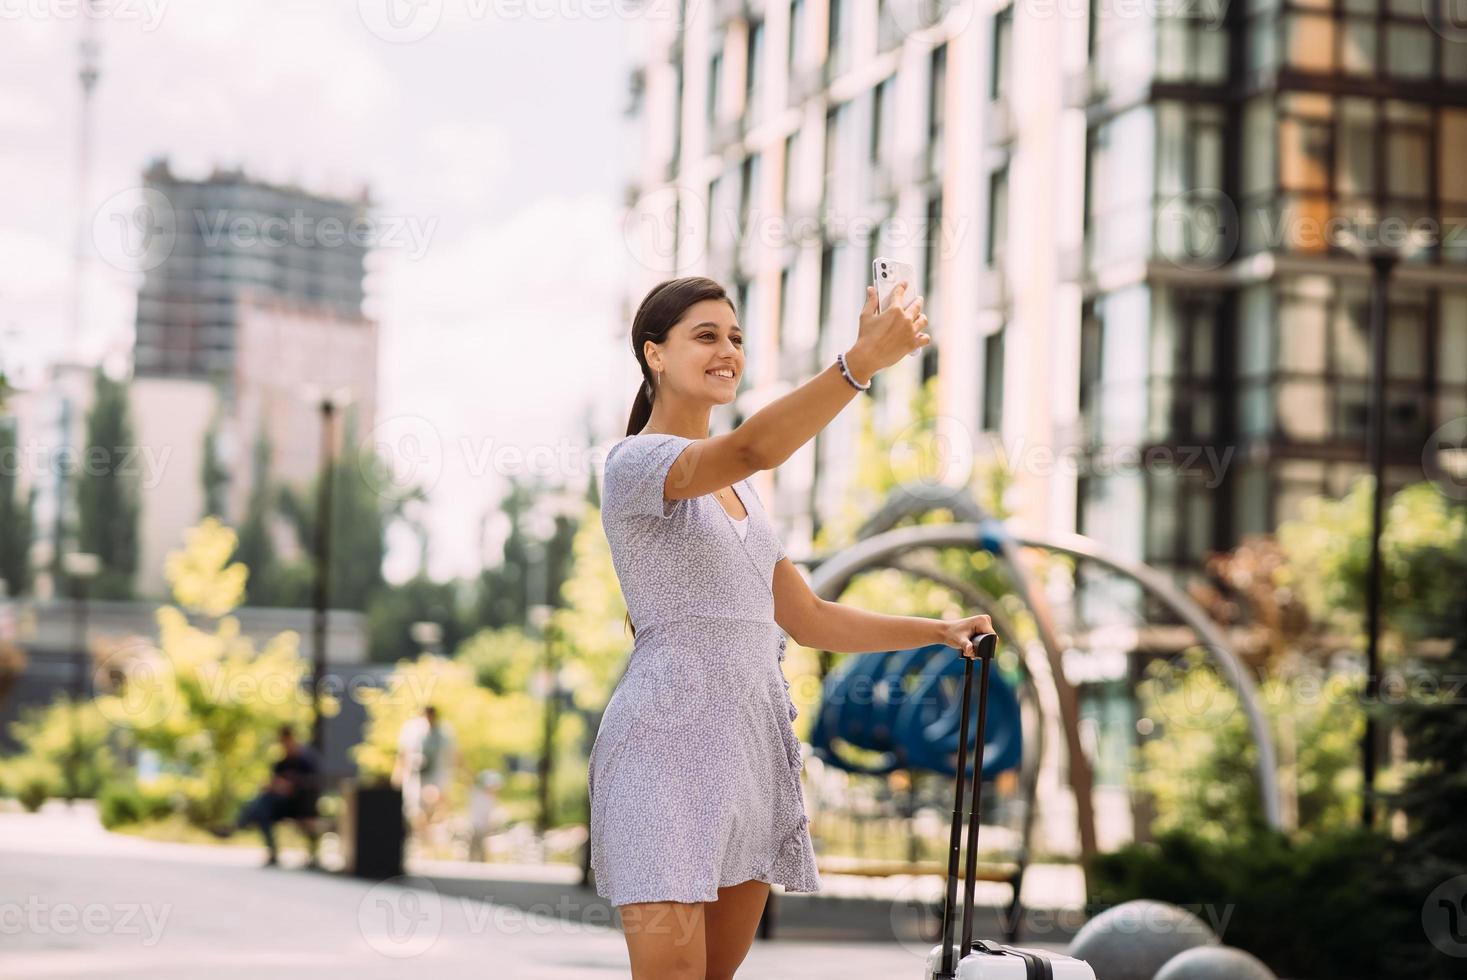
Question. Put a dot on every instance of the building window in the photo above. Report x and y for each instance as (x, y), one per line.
(837, 160)
(715, 80)
(998, 215)
(839, 43)
(888, 32)
(797, 36)
(754, 70)
(993, 365)
(750, 172)
(1003, 40)
(791, 162)
(932, 260)
(883, 116)
(936, 108)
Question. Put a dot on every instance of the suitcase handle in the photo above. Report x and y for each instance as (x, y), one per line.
(984, 647)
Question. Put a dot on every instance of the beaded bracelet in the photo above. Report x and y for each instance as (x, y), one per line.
(841, 360)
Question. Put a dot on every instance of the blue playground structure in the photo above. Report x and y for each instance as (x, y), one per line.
(891, 712)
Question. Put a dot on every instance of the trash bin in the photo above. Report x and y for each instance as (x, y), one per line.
(372, 830)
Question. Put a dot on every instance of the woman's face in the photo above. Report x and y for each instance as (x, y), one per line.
(703, 356)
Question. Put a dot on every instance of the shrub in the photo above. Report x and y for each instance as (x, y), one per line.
(1318, 907)
(125, 802)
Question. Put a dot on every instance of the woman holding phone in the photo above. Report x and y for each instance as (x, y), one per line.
(694, 776)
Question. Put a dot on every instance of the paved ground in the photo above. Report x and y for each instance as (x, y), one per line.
(78, 902)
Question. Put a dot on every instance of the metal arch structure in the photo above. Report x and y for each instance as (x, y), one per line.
(883, 544)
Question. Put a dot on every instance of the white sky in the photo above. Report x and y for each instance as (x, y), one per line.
(499, 134)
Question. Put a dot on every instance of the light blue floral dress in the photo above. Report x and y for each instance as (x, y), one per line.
(694, 775)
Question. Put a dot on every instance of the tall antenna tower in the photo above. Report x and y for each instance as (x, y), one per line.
(88, 73)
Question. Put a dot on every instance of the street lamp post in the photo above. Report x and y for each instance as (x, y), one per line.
(1383, 262)
(81, 567)
(1383, 258)
(328, 402)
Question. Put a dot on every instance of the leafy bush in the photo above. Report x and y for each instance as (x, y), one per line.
(1314, 908)
(126, 802)
(69, 739)
(1200, 765)
(31, 780)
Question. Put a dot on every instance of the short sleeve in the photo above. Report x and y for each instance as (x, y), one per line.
(636, 469)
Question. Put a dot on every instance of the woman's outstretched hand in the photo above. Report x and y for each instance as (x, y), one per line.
(884, 338)
(957, 633)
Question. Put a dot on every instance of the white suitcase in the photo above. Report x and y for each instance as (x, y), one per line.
(971, 959)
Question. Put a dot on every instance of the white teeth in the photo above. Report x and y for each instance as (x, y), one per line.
(721, 374)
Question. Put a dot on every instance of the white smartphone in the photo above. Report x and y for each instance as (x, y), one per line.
(885, 274)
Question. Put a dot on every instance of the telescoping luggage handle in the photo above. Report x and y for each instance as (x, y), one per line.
(984, 644)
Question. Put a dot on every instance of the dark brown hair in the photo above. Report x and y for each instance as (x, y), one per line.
(662, 307)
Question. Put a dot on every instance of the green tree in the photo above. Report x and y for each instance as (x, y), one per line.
(256, 546)
(1329, 552)
(506, 591)
(213, 476)
(17, 516)
(205, 699)
(70, 739)
(393, 612)
(107, 491)
(363, 501)
(1433, 792)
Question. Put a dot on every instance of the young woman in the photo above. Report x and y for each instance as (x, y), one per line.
(696, 805)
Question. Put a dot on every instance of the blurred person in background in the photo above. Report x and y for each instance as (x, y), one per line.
(426, 758)
(481, 811)
(293, 792)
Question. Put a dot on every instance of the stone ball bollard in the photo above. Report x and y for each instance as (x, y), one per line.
(1134, 940)
(1215, 963)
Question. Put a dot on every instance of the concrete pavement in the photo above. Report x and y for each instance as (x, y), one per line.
(76, 901)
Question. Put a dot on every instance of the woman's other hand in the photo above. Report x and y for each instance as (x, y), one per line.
(957, 633)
